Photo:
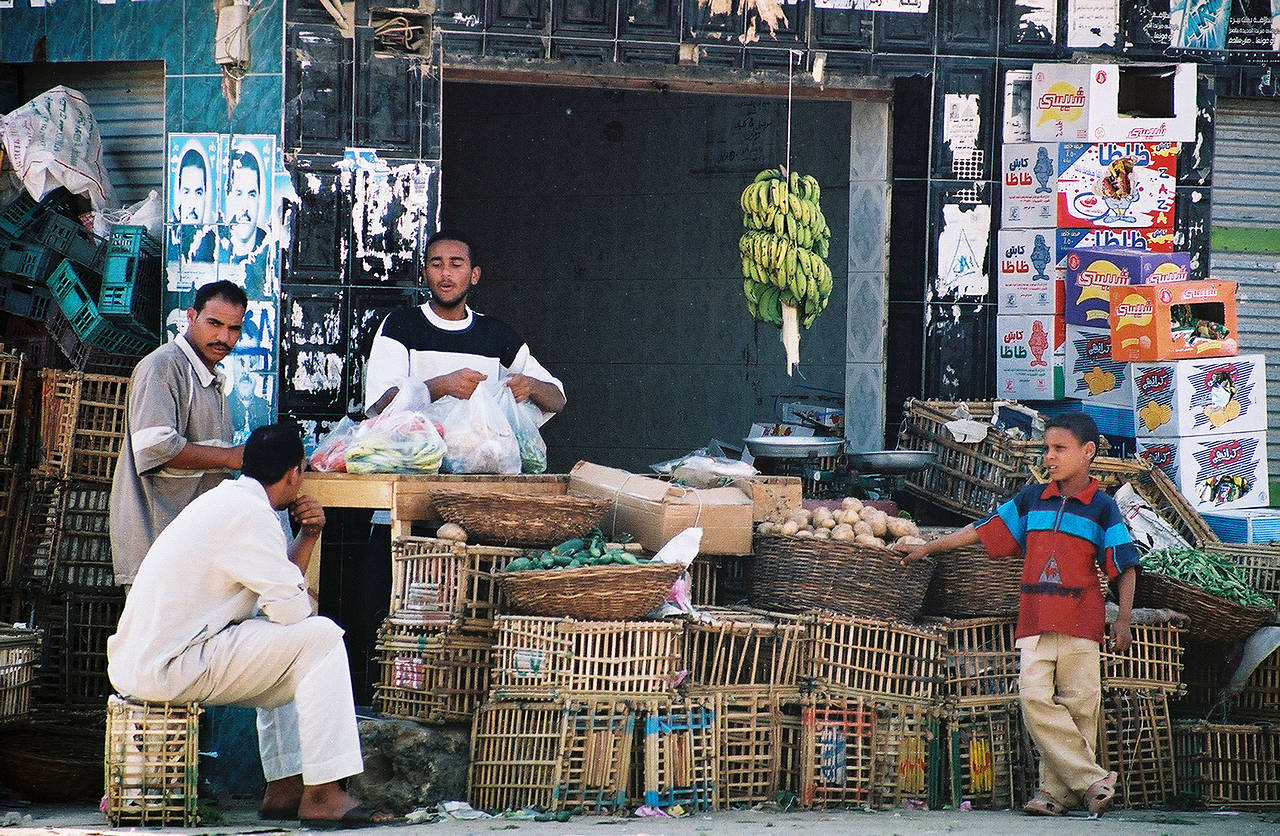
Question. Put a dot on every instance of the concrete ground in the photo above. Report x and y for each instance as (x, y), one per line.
(85, 821)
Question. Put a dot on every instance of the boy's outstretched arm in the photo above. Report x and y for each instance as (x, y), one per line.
(959, 538)
(1120, 629)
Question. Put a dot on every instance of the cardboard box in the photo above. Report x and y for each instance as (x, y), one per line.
(772, 496)
(1093, 271)
(1200, 397)
(1090, 373)
(1092, 102)
(1124, 185)
(801, 412)
(653, 511)
(1150, 240)
(1029, 357)
(1214, 472)
(1027, 277)
(1245, 525)
(1028, 193)
(1174, 321)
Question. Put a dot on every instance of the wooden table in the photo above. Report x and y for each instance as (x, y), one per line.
(408, 496)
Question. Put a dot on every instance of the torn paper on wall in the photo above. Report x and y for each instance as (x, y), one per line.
(962, 247)
(392, 211)
(1017, 106)
(1092, 23)
(53, 140)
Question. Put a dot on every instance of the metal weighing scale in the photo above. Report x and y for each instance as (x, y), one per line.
(827, 473)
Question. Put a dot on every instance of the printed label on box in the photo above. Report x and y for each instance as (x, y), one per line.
(1030, 357)
(1216, 471)
(1125, 185)
(1092, 272)
(1091, 373)
(1174, 321)
(1081, 102)
(1189, 397)
(1027, 279)
(1029, 185)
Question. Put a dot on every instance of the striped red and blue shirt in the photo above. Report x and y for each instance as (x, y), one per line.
(1065, 540)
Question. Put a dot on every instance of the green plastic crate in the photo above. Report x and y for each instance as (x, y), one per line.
(80, 307)
(71, 239)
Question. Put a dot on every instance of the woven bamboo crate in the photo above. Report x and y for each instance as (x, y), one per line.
(515, 755)
(431, 676)
(847, 655)
(463, 578)
(151, 763)
(857, 751)
(82, 425)
(1259, 699)
(702, 575)
(595, 756)
(1260, 563)
(1135, 738)
(33, 544)
(1228, 766)
(980, 663)
(743, 652)
(10, 385)
(759, 743)
(681, 743)
(19, 650)
(983, 755)
(1153, 660)
(538, 657)
(1206, 671)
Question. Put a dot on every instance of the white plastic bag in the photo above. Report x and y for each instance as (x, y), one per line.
(401, 439)
(523, 418)
(54, 141)
(478, 437)
(1148, 529)
(330, 455)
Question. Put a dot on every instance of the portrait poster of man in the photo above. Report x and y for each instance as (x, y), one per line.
(246, 240)
(192, 212)
(250, 370)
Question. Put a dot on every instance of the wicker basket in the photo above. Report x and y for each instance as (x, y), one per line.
(592, 593)
(56, 760)
(503, 519)
(966, 583)
(1212, 619)
(1258, 562)
(793, 574)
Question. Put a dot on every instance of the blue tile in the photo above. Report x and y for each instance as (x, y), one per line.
(23, 29)
(70, 31)
(173, 116)
(201, 24)
(259, 109)
(110, 25)
(157, 32)
(203, 108)
(266, 37)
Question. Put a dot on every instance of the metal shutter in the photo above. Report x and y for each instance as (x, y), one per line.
(1246, 233)
(128, 102)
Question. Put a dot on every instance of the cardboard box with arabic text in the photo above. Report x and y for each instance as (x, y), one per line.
(653, 511)
(1090, 373)
(1093, 271)
(1029, 357)
(1029, 185)
(1028, 281)
(1174, 321)
(1213, 472)
(1200, 397)
(1117, 185)
(1113, 103)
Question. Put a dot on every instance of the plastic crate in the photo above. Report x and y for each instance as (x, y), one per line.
(24, 260)
(22, 299)
(131, 279)
(1245, 525)
(78, 301)
(70, 238)
(24, 210)
(81, 355)
(130, 239)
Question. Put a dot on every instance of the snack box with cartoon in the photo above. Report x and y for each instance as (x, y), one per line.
(1148, 240)
(1118, 185)
(1213, 471)
(1093, 102)
(1245, 525)
(1029, 185)
(1029, 357)
(1028, 281)
(1173, 321)
(1090, 373)
(1200, 397)
(1093, 271)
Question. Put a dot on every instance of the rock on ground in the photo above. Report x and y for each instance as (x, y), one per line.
(407, 765)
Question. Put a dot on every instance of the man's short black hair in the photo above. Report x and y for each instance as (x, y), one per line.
(453, 235)
(246, 159)
(223, 289)
(192, 158)
(271, 452)
(1080, 425)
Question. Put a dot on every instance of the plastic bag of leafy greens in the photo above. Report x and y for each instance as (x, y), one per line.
(523, 418)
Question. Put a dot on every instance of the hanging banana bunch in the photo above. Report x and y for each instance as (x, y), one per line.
(785, 247)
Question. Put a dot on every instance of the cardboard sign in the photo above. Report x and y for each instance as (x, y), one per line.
(1113, 103)
(1174, 321)
(1117, 185)
(1029, 185)
(1091, 374)
(1213, 471)
(1200, 397)
(1029, 357)
(1092, 272)
(1027, 278)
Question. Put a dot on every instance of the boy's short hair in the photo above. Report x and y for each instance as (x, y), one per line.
(1080, 425)
(271, 452)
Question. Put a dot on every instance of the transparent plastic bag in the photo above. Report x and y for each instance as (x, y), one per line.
(401, 439)
(523, 418)
(478, 437)
(330, 455)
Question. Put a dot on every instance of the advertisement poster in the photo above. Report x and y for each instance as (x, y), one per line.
(1198, 24)
(1125, 185)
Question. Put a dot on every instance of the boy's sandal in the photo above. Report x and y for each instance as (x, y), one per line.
(1044, 805)
(1100, 794)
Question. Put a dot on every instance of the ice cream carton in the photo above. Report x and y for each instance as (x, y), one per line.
(1147, 240)
(1029, 357)
(1200, 397)
(1173, 321)
(1090, 373)
(1028, 187)
(1117, 185)
(1113, 103)
(1214, 472)
(1027, 278)
(1092, 272)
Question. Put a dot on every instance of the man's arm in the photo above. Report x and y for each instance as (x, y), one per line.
(307, 512)
(1120, 629)
(207, 457)
(547, 396)
(959, 538)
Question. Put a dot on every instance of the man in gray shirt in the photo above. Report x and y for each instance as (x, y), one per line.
(178, 431)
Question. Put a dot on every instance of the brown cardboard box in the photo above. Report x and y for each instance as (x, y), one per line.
(772, 495)
(653, 511)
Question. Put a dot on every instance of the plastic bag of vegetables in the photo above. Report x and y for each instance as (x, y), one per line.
(524, 419)
(402, 439)
(330, 455)
(478, 437)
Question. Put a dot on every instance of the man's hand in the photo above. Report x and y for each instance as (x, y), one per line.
(460, 384)
(521, 387)
(1121, 635)
(307, 512)
(912, 556)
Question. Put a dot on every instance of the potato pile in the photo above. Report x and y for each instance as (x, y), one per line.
(852, 522)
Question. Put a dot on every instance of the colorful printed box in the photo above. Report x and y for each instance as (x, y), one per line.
(1214, 472)
(1200, 397)
(1027, 278)
(1092, 102)
(1245, 525)
(1093, 271)
(1117, 185)
(1030, 357)
(1028, 191)
(1173, 321)
(1091, 374)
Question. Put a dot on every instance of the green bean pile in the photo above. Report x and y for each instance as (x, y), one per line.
(1215, 574)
